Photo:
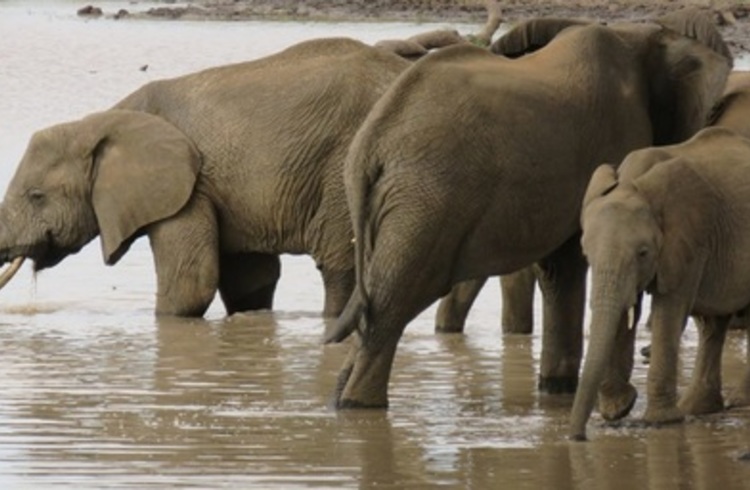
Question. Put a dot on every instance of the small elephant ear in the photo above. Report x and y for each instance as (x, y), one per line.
(602, 181)
(144, 171)
(683, 225)
(529, 36)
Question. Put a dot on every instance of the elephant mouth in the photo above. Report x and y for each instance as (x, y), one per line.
(44, 254)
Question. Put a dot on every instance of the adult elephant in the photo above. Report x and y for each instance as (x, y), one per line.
(673, 223)
(473, 164)
(223, 170)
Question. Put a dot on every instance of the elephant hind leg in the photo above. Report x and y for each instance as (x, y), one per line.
(247, 281)
(518, 301)
(704, 393)
(454, 308)
(740, 397)
(363, 380)
(338, 285)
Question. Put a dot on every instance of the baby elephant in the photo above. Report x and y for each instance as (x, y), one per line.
(674, 221)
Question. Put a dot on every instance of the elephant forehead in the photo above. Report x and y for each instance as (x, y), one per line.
(621, 205)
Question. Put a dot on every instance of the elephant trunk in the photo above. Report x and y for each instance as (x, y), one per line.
(608, 306)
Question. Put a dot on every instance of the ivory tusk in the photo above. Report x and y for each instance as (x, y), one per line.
(631, 318)
(8, 274)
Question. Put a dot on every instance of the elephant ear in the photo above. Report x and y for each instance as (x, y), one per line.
(696, 24)
(532, 35)
(684, 225)
(693, 66)
(602, 182)
(144, 170)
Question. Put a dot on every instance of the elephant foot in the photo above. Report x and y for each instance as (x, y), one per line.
(663, 415)
(616, 402)
(701, 402)
(556, 385)
(449, 328)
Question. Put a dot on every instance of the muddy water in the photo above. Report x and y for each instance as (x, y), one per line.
(96, 392)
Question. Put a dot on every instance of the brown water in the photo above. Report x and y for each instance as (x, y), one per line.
(97, 393)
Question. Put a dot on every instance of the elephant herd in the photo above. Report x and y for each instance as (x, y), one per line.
(411, 171)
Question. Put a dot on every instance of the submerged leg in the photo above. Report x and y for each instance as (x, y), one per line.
(704, 393)
(563, 284)
(518, 301)
(247, 281)
(454, 307)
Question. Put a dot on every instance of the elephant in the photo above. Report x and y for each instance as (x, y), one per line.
(671, 222)
(473, 164)
(223, 170)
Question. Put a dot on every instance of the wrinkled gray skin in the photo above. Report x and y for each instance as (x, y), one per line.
(247, 160)
(490, 179)
(223, 170)
(672, 221)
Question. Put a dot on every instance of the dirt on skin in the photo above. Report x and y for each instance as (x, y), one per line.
(732, 17)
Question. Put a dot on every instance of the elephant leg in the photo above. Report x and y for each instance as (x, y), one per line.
(518, 301)
(667, 321)
(186, 258)
(616, 394)
(563, 284)
(338, 286)
(247, 281)
(741, 394)
(401, 280)
(454, 308)
(704, 393)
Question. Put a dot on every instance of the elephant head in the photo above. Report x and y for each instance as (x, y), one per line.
(110, 174)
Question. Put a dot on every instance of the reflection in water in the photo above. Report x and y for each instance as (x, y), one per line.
(97, 393)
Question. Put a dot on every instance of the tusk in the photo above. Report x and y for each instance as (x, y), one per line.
(8, 274)
(631, 318)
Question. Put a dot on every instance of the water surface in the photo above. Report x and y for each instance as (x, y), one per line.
(96, 392)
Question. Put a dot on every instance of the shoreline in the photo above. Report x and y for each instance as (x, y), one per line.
(732, 18)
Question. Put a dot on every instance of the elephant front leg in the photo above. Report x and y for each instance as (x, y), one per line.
(454, 308)
(704, 393)
(518, 301)
(247, 281)
(563, 283)
(186, 259)
(667, 320)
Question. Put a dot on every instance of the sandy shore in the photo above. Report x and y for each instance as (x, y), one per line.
(733, 18)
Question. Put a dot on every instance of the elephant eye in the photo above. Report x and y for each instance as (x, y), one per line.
(643, 252)
(36, 195)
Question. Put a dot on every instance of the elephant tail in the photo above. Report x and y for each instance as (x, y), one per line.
(356, 313)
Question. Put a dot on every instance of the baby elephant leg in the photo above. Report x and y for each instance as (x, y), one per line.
(704, 393)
